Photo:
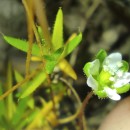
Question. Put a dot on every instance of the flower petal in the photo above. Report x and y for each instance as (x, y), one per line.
(113, 58)
(112, 62)
(112, 94)
(94, 69)
(91, 82)
(122, 80)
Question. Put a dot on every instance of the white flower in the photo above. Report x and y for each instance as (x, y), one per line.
(94, 68)
(109, 78)
(92, 83)
(111, 93)
(112, 62)
(122, 80)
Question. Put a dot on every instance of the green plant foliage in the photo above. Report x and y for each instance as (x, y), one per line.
(22, 45)
(22, 113)
(71, 45)
(9, 100)
(57, 36)
(101, 55)
(34, 84)
(21, 107)
(2, 104)
(86, 69)
(18, 76)
(41, 34)
(125, 66)
(52, 60)
(124, 89)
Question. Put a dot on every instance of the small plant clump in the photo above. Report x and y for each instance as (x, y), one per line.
(107, 76)
(49, 50)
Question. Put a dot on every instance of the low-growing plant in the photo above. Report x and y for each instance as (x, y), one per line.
(22, 106)
(18, 110)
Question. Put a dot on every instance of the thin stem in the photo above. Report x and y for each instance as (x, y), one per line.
(86, 100)
(92, 8)
(41, 15)
(81, 113)
(21, 83)
(29, 12)
(70, 118)
(30, 33)
(51, 92)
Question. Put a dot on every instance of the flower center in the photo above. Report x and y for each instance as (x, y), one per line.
(104, 78)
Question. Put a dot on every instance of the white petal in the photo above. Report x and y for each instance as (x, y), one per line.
(94, 69)
(92, 83)
(113, 62)
(122, 80)
(114, 58)
(112, 94)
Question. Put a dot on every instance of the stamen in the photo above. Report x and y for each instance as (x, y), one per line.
(112, 79)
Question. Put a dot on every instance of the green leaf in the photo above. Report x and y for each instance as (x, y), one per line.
(57, 36)
(34, 84)
(2, 104)
(50, 65)
(18, 76)
(5, 124)
(22, 45)
(29, 118)
(52, 60)
(101, 94)
(70, 46)
(20, 111)
(39, 29)
(101, 55)
(9, 99)
(123, 89)
(125, 66)
(87, 68)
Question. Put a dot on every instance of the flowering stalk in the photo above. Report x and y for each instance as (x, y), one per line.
(108, 76)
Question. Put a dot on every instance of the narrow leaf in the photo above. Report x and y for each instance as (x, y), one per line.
(67, 69)
(57, 36)
(20, 110)
(34, 84)
(87, 68)
(101, 55)
(18, 76)
(2, 104)
(22, 45)
(52, 60)
(50, 65)
(70, 46)
(9, 99)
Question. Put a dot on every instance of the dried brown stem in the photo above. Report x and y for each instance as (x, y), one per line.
(28, 7)
(21, 83)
